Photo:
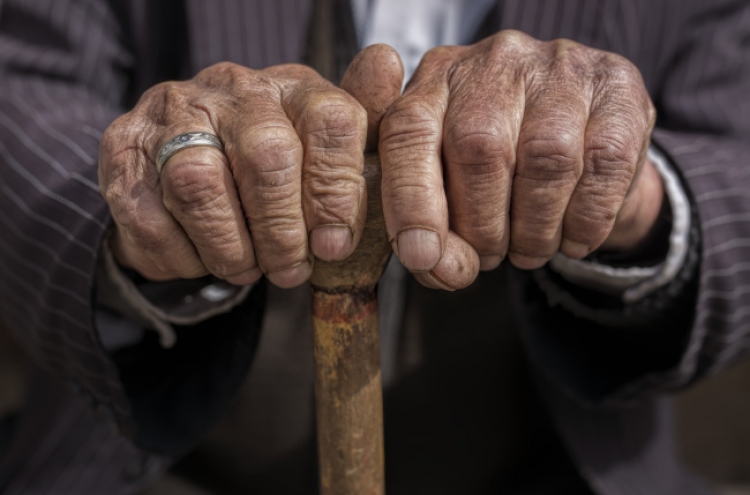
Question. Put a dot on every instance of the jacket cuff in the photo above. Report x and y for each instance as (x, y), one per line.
(160, 305)
(632, 283)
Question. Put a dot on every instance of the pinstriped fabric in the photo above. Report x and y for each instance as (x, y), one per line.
(53, 214)
(256, 34)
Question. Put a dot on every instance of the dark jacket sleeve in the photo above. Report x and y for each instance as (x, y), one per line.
(65, 68)
(697, 66)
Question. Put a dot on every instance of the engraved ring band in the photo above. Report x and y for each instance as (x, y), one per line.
(183, 141)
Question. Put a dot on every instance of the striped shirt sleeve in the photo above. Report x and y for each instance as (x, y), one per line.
(62, 73)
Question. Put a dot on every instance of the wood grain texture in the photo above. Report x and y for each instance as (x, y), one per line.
(348, 389)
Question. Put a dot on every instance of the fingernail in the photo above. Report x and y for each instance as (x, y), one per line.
(292, 276)
(573, 249)
(418, 249)
(331, 242)
(490, 262)
(429, 280)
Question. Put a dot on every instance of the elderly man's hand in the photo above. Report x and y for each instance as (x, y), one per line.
(287, 188)
(521, 148)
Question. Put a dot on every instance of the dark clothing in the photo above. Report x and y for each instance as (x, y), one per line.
(70, 67)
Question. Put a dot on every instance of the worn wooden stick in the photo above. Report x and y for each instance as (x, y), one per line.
(348, 390)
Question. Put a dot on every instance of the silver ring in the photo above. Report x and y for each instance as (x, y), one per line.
(186, 140)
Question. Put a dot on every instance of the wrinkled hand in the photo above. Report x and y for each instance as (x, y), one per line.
(288, 187)
(516, 147)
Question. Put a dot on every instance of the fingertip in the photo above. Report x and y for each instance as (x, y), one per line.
(573, 249)
(459, 265)
(524, 262)
(246, 278)
(375, 78)
(490, 262)
(291, 277)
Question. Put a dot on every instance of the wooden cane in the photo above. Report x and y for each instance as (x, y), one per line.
(348, 390)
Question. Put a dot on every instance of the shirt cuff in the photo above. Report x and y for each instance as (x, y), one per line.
(159, 305)
(634, 283)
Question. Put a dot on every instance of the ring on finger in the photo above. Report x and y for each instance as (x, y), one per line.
(184, 141)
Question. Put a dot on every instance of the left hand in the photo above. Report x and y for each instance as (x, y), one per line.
(516, 147)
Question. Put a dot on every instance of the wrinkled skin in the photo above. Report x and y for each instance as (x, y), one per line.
(511, 147)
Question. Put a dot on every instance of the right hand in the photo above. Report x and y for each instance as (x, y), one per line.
(288, 187)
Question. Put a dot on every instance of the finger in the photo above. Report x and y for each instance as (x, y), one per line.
(265, 155)
(149, 239)
(457, 269)
(414, 201)
(616, 141)
(332, 126)
(479, 150)
(639, 212)
(200, 193)
(333, 132)
(550, 162)
(374, 78)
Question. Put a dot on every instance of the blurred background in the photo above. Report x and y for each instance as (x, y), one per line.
(713, 421)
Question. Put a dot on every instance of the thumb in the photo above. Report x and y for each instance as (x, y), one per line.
(374, 78)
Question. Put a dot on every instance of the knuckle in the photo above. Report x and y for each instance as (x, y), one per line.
(225, 67)
(332, 196)
(596, 214)
(192, 187)
(409, 124)
(534, 238)
(540, 219)
(570, 61)
(230, 262)
(113, 192)
(334, 122)
(485, 235)
(174, 94)
(439, 54)
(169, 93)
(121, 134)
(111, 138)
(478, 140)
(234, 83)
(166, 103)
(226, 72)
(510, 42)
(334, 208)
(144, 233)
(292, 72)
(284, 237)
(618, 70)
(613, 157)
(274, 155)
(512, 37)
(553, 159)
(533, 246)
(409, 190)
